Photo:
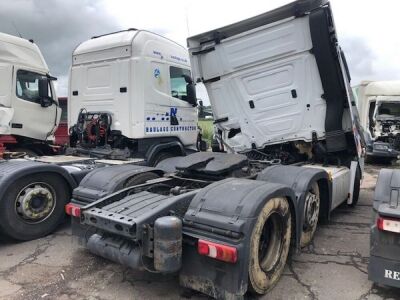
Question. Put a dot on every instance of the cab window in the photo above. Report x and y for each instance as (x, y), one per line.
(28, 86)
(178, 83)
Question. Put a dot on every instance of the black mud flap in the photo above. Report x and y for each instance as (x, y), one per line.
(224, 212)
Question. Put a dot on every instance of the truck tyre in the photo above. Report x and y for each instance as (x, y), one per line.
(356, 190)
(161, 156)
(33, 206)
(140, 178)
(269, 245)
(311, 215)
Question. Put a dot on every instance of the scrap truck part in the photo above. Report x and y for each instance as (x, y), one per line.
(384, 262)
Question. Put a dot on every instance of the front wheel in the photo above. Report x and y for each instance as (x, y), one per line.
(33, 206)
(269, 245)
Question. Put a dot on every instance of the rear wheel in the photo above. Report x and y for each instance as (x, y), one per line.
(311, 214)
(140, 178)
(161, 156)
(269, 245)
(33, 206)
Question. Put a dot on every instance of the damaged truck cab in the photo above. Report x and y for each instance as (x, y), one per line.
(379, 105)
(284, 112)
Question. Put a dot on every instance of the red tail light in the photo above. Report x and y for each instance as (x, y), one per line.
(388, 224)
(217, 251)
(73, 210)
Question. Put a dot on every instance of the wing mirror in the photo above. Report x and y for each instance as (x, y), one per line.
(45, 100)
(190, 90)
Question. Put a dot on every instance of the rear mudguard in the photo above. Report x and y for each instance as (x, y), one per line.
(105, 181)
(225, 212)
(12, 170)
(175, 147)
(300, 179)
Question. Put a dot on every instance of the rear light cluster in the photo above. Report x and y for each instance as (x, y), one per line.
(217, 251)
(73, 210)
(388, 224)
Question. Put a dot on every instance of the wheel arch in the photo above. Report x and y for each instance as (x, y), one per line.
(104, 181)
(229, 220)
(10, 171)
(175, 147)
(300, 180)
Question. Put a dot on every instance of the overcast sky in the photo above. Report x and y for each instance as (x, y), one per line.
(367, 29)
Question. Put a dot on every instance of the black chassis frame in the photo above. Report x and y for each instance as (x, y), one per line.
(210, 211)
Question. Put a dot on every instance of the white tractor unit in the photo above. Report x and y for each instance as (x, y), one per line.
(379, 106)
(131, 95)
(29, 110)
(287, 122)
(131, 98)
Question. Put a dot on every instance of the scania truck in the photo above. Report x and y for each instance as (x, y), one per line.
(131, 100)
(293, 151)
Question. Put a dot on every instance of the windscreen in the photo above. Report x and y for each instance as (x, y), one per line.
(388, 110)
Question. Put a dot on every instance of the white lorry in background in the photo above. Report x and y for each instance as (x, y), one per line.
(29, 110)
(379, 106)
(131, 97)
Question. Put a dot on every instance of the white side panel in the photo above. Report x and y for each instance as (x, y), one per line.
(267, 43)
(269, 85)
(98, 87)
(341, 179)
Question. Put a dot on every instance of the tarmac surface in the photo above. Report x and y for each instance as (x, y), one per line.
(333, 267)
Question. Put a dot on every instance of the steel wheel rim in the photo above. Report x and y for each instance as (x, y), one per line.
(311, 208)
(35, 202)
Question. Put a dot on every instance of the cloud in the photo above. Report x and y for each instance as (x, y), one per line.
(360, 58)
(57, 27)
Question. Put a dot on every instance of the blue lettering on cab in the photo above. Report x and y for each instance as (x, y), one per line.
(173, 111)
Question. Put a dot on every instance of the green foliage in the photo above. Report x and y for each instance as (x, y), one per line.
(207, 129)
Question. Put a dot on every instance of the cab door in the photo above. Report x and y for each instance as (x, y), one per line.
(30, 118)
(6, 111)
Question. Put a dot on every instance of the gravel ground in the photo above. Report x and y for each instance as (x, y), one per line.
(333, 267)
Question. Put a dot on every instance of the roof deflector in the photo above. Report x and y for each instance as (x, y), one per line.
(129, 29)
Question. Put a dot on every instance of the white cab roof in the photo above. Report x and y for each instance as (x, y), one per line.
(129, 43)
(118, 39)
(19, 51)
(383, 88)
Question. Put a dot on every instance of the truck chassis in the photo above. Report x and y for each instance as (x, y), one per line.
(224, 222)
